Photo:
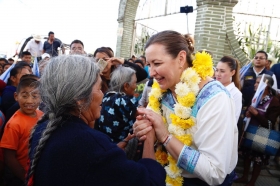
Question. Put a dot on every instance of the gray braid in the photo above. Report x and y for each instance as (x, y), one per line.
(66, 80)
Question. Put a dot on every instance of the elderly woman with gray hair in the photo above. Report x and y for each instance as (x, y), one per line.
(65, 150)
(119, 107)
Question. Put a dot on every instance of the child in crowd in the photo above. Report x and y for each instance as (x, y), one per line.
(15, 138)
(8, 99)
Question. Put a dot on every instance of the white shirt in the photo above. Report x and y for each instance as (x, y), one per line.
(237, 97)
(34, 48)
(273, 77)
(216, 139)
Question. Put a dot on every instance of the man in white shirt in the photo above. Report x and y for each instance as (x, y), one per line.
(35, 46)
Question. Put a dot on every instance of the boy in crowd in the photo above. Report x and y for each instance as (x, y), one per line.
(15, 138)
(26, 56)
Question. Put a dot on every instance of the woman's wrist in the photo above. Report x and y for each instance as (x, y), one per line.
(167, 140)
(163, 138)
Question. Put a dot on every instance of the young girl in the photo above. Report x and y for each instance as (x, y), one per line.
(8, 93)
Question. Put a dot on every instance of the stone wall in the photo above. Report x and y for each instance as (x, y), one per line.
(214, 29)
(127, 13)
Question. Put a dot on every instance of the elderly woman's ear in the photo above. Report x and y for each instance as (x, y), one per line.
(126, 87)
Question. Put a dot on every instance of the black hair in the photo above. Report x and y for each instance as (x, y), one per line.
(25, 53)
(3, 59)
(106, 50)
(262, 52)
(143, 57)
(22, 63)
(28, 80)
(11, 59)
(50, 33)
(139, 61)
(110, 53)
(16, 70)
(77, 41)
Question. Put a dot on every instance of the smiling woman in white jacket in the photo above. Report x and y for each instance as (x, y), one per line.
(227, 72)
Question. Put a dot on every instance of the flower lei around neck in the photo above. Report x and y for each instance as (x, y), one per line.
(186, 91)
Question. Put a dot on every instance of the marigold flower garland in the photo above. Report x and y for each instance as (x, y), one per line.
(186, 91)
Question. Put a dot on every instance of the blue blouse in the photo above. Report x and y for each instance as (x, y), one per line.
(118, 114)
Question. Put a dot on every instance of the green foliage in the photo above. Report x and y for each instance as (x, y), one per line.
(254, 39)
(140, 42)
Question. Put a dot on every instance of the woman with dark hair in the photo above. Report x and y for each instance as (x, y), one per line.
(64, 149)
(107, 54)
(265, 115)
(227, 72)
(192, 114)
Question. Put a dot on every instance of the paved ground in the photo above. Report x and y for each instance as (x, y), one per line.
(269, 175)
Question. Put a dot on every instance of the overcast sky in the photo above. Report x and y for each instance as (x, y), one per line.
(92, 21)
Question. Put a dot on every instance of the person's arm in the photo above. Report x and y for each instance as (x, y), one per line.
(271, 114)
(274, 86)
(41, 48)
(144, 99)
(141, 73)
(215, 139)
(62, 48)
(44, 47)
(148, 150)
(13, 164)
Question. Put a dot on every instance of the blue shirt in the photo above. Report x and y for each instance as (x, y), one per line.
(52, 48)
(76, 154)
(118, 115)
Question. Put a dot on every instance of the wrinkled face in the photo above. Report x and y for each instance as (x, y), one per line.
(163, 67)
(26, 58)
(129, 88)
(102, 55)
(28, 99)
(223, 73)
(77, 48)
(97, 96)
(16, 79)
(260, 60)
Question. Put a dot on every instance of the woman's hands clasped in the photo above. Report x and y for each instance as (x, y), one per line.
(146, 121)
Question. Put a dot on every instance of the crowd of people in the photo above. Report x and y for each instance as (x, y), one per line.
(169, 117)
